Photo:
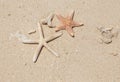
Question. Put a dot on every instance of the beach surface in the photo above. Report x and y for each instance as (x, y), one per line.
(82, 58)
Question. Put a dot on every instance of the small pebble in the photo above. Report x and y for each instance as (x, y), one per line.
(9, 14)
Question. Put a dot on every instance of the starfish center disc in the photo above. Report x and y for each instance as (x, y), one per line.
(67, 22)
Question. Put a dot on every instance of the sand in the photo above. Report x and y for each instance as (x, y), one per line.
(82, 58)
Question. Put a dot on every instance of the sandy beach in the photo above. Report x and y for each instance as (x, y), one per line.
(82, 58)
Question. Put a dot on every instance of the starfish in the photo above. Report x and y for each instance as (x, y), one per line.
(67, 23)
(42, 42)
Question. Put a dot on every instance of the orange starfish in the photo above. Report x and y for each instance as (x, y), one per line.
(67, 23)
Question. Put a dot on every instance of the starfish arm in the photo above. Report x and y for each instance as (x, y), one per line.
(71, 15)
(31, 42)
(40, 30)
(59, 28)
(51, 50)
(56, 35)
(32, 31)
(36, 55)
(60, 18)
(76, 24)
(70, 31)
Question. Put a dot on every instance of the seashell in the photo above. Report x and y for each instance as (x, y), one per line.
(48, 20)
(107, 34)
(106, 40)
(103, 29)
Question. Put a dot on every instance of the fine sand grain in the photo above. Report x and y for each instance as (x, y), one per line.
(82, 58)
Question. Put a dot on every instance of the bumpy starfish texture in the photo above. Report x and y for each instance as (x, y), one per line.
(67, 23)
(42, 42)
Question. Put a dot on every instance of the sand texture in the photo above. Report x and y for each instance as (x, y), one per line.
(84, 58)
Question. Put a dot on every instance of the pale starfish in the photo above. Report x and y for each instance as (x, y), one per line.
(42, 42)
(67, 23)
